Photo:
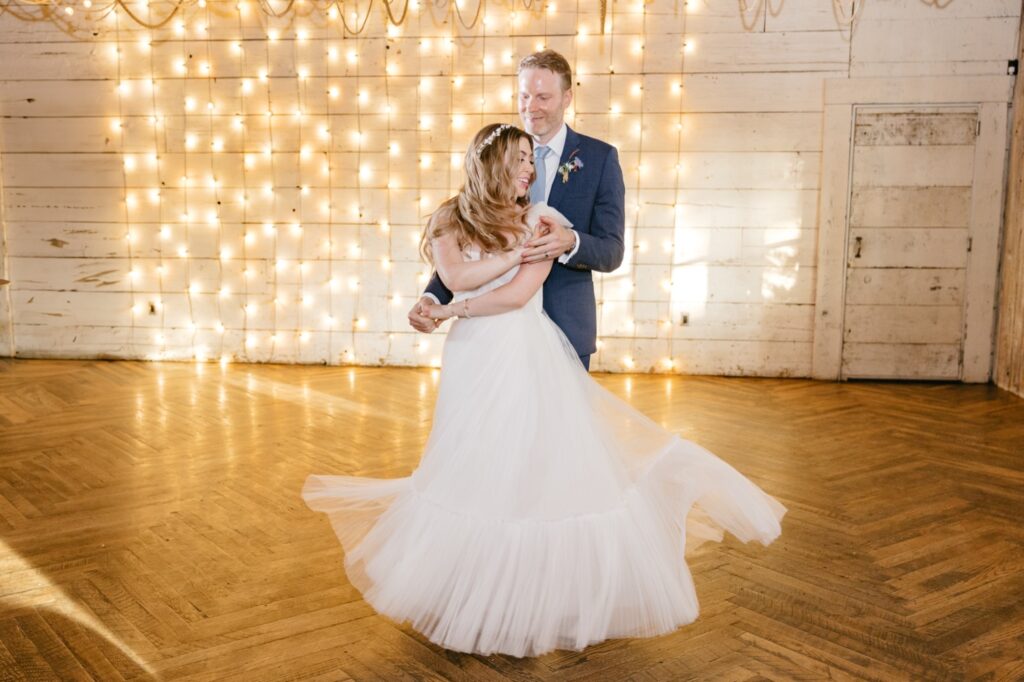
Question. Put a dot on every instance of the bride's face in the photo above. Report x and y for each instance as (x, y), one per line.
(524, 173)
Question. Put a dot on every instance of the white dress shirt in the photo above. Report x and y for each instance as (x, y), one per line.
(557, 145)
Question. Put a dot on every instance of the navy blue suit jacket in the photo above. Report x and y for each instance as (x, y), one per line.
(594, 200)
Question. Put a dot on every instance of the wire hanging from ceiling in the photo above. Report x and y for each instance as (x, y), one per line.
(86, 17)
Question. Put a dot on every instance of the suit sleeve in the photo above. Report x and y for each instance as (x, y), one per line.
(438, 290)
(603, 248)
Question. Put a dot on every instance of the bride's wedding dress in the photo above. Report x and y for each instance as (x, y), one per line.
(545, 513)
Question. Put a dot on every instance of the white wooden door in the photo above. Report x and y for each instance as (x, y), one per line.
(911, 184)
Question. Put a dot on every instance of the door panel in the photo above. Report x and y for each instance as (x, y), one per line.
(907, 250)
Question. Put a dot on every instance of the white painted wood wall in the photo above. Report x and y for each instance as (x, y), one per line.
(1009, 370)
(729, 242)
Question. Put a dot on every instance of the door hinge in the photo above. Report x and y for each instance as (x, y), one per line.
(970, 243)
(977, 127)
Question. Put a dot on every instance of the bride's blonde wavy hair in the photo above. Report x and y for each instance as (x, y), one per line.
(486, 212)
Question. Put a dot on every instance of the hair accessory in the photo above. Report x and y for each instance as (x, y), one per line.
(491, 138)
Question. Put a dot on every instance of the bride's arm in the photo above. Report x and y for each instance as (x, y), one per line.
(462, 275)
(511, 296)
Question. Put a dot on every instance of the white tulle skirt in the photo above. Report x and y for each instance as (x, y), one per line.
(545, 513)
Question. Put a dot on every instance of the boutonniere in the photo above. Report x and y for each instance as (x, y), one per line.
(571, 165)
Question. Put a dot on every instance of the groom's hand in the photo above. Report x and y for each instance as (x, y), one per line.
(418, 319)
(551, 241)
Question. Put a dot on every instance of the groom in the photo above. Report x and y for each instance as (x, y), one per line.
(581, 177)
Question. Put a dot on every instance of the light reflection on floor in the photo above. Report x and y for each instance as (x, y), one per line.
(307, 397)
(36, 591)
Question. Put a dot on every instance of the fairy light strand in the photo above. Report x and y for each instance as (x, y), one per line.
(214, 218)
(270, 226)
(331, 208)
(156, 154)
(126, 199)
(243, 112)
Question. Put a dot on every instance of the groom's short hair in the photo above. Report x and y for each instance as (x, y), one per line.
(552, 61)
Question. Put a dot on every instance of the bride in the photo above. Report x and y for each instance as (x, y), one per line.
(545, 512)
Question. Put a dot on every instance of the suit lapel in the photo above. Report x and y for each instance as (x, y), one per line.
(558, 188)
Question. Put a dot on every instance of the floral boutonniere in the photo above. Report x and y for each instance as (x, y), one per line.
(572, 164)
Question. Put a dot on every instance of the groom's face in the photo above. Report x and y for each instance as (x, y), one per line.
(542, 103)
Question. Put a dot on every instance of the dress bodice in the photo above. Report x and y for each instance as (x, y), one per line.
(473, 253)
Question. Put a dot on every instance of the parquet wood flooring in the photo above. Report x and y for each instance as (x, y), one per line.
(151, 528)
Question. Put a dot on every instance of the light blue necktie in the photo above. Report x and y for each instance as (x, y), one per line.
(540, 184)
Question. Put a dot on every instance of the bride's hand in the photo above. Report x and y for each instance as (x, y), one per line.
(436, 311)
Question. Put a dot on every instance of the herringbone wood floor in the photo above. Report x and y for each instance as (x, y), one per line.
(151, 527)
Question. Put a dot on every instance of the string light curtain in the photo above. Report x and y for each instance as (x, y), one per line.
(278, 160)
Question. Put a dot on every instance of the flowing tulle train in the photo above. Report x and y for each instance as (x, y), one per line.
(545, 513)
(527, 586)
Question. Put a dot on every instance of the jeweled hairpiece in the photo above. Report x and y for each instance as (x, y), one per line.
(491, 138)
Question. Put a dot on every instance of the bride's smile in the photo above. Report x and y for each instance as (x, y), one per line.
(525, 174)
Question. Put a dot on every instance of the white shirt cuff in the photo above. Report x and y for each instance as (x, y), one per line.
(427, 294)
(564, 258)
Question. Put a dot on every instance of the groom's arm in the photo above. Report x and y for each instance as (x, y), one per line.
(603, 248)
(437, 290)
